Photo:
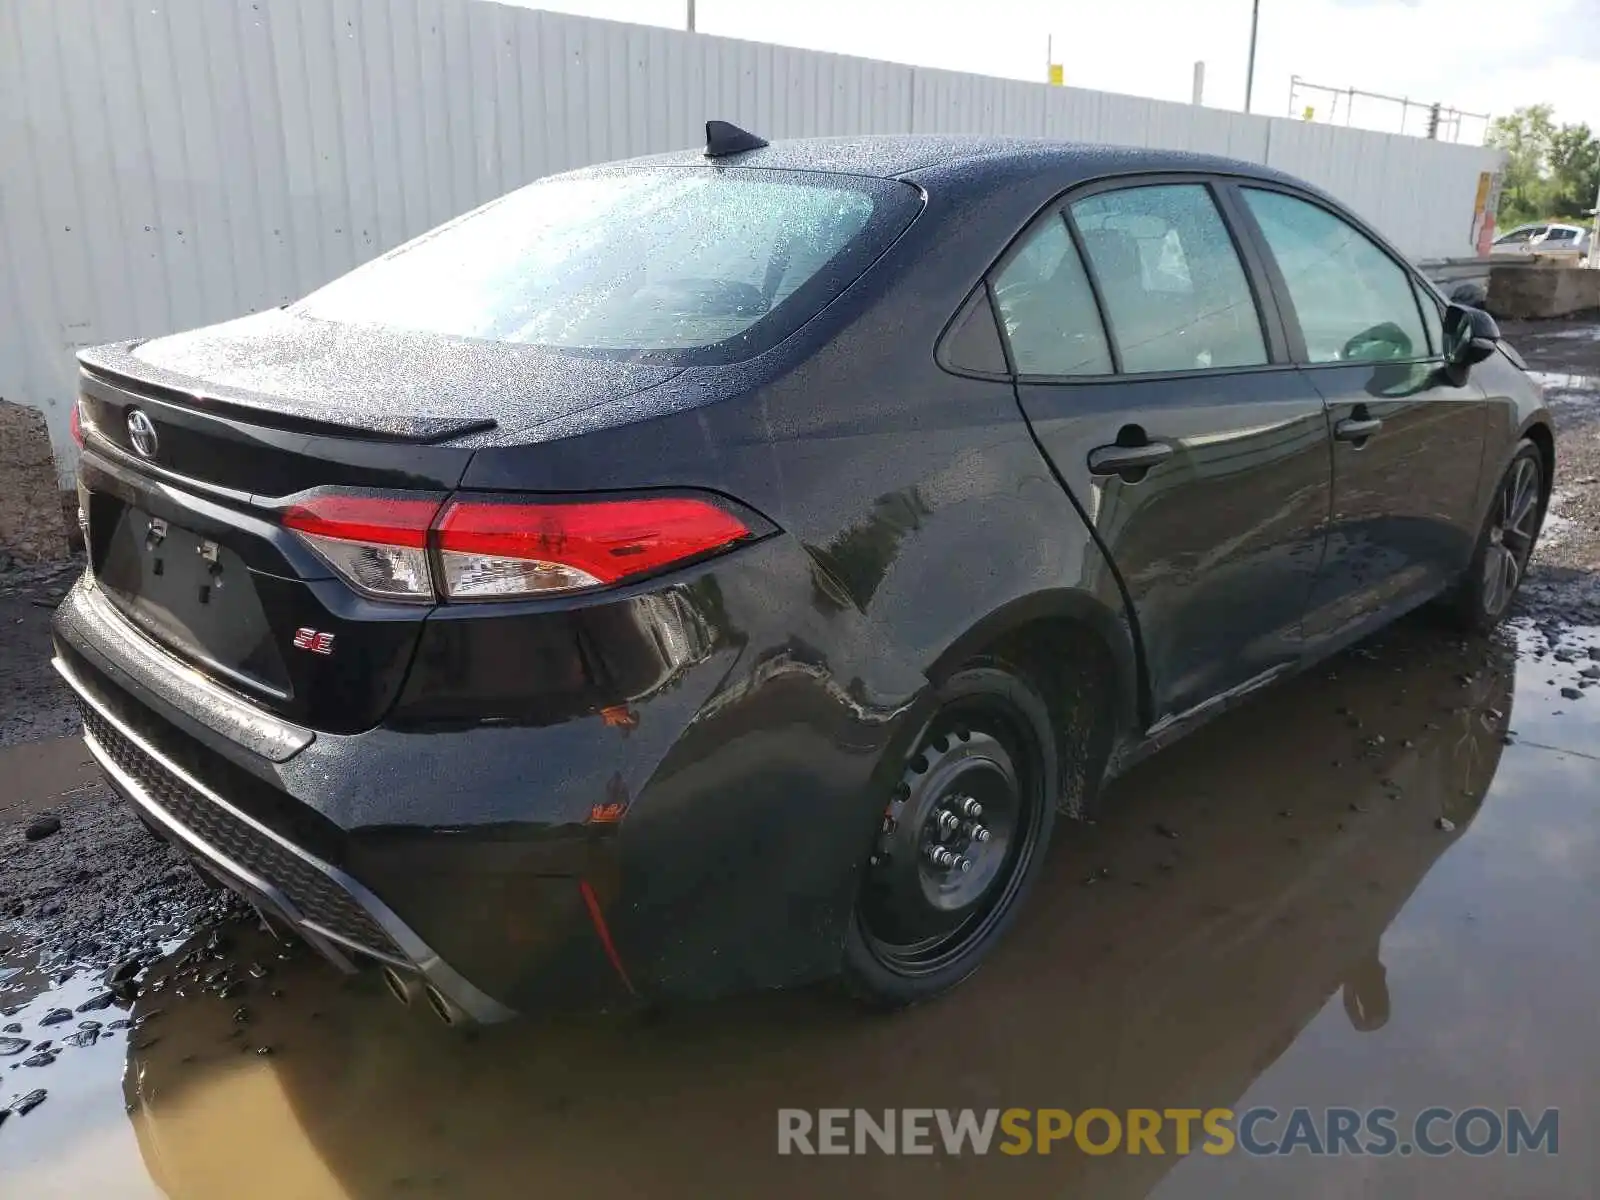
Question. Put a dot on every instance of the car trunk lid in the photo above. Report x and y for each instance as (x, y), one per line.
(196, 444)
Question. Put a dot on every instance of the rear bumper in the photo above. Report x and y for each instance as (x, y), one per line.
(701, 836)
(439, 853)
(333, 911)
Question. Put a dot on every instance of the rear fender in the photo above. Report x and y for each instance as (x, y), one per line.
(1110, 629)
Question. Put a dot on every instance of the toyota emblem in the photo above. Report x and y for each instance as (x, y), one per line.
(142, 433)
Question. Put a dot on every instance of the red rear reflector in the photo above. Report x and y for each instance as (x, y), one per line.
(592, 903)
(75, 421)
(500, 548)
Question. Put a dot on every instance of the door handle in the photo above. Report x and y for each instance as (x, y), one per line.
(1357, 429)
(1125, 460)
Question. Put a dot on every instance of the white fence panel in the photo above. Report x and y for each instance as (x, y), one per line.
(170, 163)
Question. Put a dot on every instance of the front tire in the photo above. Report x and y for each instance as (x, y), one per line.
(1505, 544)
(962, 841)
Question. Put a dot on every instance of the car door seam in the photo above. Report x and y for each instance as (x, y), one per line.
(1141, 689)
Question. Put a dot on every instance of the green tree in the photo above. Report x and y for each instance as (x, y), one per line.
(1574, 158)
(1527, 136)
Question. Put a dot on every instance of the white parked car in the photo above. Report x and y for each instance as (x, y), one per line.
(1545, 238)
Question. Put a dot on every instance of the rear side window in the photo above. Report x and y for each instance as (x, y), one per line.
(1355, 303)
(1048, 308)
(653, 263)
(1175, 292)
(973, 344)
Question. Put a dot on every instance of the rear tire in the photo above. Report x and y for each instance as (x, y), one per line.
(934, 899)
(1505, 544)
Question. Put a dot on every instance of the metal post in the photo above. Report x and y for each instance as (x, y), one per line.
(1049, 56)
(1594, 234)
(691, 16)
(1199, 83)
(1250, 71)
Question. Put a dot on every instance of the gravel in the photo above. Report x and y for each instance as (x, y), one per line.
(1563, 585)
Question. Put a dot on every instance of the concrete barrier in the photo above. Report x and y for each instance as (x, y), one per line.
(1528, 291)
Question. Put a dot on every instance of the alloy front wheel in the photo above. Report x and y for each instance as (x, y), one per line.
(1512, 530)
(1505, 544)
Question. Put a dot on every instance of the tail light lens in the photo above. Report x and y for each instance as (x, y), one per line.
(378, 544)
(75, 421)
(490, 547)
(486, 547)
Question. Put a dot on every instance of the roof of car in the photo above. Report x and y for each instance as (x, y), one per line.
(1544, 225)
(892, 156)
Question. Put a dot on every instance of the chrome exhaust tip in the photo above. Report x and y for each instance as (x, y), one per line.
(402, 987)
(442, 1006)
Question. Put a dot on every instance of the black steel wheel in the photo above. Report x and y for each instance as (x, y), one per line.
(961, 840)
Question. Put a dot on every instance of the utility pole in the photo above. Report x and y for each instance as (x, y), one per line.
(1199, 83)
(691, 16)
(1250, 71)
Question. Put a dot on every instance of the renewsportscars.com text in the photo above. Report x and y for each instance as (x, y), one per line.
(1096, 1131)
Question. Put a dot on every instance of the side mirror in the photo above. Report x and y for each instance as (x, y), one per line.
(1470, 335)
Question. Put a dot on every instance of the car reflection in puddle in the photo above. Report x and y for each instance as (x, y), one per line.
(1223, 926)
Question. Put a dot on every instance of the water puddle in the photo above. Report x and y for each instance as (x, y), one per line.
(1376, 884)
(1557, 527)
(1566, 384)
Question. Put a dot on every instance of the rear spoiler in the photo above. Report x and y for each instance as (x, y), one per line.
(269, 412)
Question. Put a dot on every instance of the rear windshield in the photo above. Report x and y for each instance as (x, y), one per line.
(708, 264)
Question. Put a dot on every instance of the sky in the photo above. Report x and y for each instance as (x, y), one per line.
(1481, 56)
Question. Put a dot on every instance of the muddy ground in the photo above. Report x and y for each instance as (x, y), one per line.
(1377, 885)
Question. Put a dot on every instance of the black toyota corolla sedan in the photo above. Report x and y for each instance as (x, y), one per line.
(728, 569)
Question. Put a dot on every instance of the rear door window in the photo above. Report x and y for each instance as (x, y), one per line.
(1354, 302)
(1175, 292)
(708, 264)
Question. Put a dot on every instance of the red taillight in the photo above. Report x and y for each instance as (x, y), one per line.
(75, 421)
(379, 544)
(384, 520)
(492, 547)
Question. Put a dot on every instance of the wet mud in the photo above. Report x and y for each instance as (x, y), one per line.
(1377, 884)
(34, 703)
